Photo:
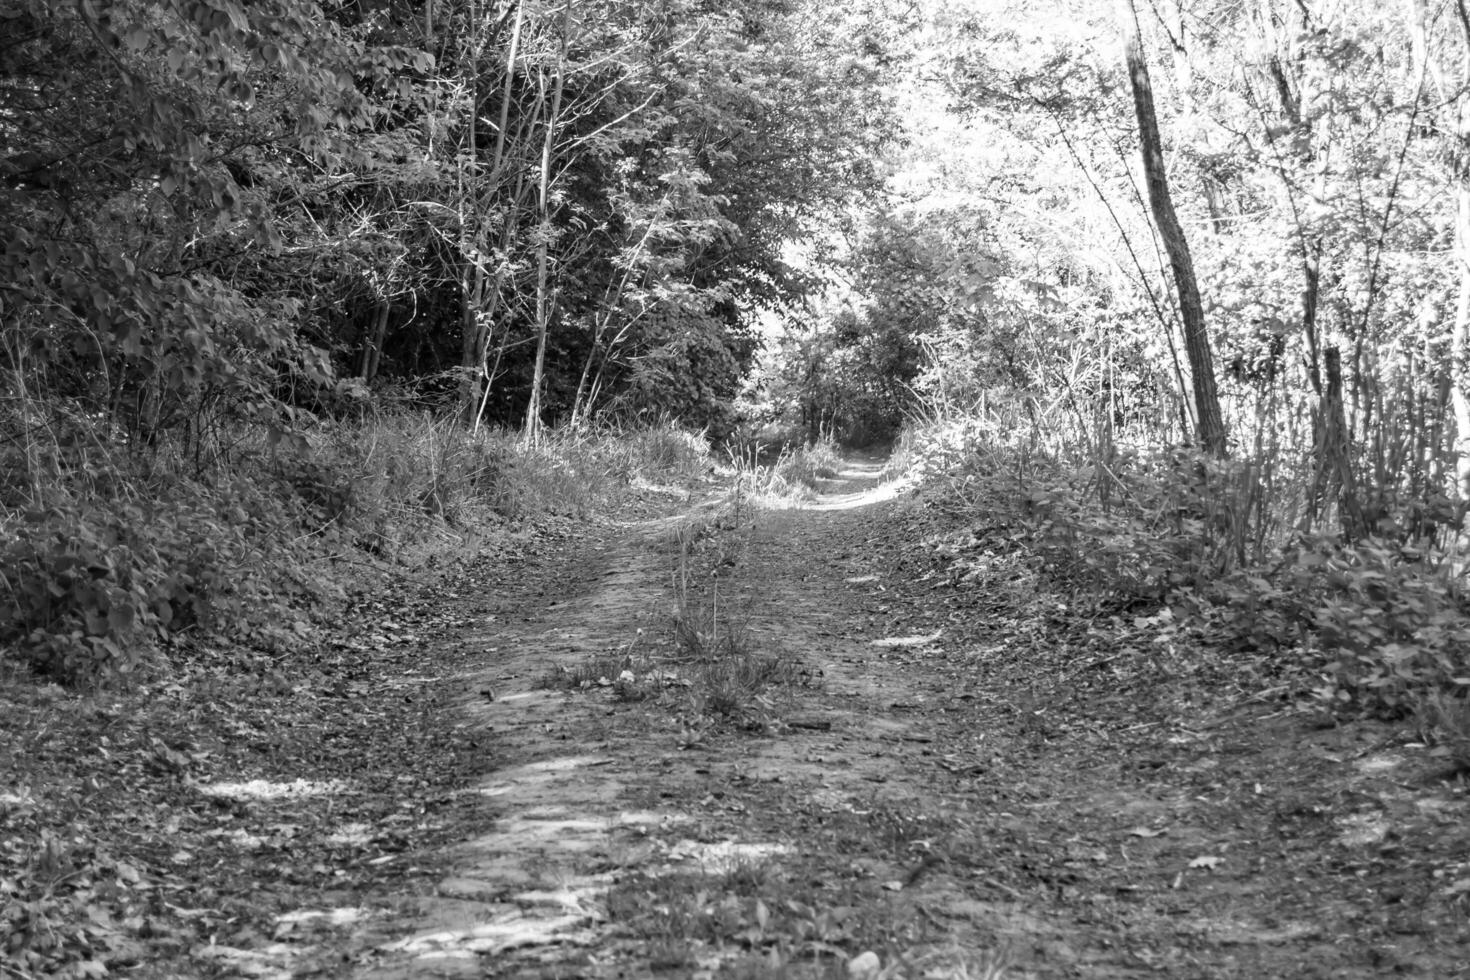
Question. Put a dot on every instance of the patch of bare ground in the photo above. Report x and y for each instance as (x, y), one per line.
(943, 780)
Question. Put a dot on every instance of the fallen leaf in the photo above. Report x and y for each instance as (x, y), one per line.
(908, 641)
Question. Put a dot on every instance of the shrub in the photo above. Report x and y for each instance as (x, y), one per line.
(91, 587)
(1389, 622)
(1380, 621)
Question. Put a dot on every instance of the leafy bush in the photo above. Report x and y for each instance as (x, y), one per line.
(1390, 624)
(1378, 619)
(91, 587)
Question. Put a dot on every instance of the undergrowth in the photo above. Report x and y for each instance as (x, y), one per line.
(704, 658)
(1375, 623)
(794, 475)
(629, 673)
(116, 558)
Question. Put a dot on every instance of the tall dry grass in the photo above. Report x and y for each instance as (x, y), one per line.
(114, 552)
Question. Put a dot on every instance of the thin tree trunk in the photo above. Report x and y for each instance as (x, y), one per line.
(1449, 97)
(1311, 296)
(1459, 354)
(612, 298)
(580, 398)
(474, 316)
(472, 281)
(372, 351)
(1334, 460)
(472, 333)
(543, 248)
(1212, 434)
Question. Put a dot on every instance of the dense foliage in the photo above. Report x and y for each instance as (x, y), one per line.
(207, 194)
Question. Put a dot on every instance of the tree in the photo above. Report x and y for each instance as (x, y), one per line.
(153, 153)
(1210, 422)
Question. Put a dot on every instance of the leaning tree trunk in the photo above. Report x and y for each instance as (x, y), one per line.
(1334, 482)
(1196, 339)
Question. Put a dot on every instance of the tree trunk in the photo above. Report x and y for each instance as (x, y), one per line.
(543, 212)
(1211, 423)
(472, 338)
(477, 302)
(543, 291)
(472, 278)
(1334, 476)
(372, 351)
(1459, 354)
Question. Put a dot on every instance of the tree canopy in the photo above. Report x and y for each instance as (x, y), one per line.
(487, 199)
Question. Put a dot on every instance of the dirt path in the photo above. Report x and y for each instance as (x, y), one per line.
(938, 781)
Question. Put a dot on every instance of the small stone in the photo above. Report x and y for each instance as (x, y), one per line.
(864, 966)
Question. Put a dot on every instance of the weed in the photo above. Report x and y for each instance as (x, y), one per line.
(691, 532)
(729, 677)
(1445, 720)
(1377, 616)
(113, 554)
(628, 674)
(795, 476)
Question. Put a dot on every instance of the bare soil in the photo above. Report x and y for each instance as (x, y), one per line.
(870, 768)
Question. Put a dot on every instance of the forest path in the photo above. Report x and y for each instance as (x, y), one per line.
(937, 783)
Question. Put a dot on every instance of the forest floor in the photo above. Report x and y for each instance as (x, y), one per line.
(728, 741)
